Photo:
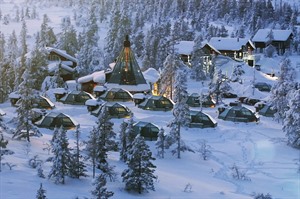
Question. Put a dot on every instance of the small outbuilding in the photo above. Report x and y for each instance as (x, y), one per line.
(99, 90)
(146, 129)
(116, 94)
(44, 103)
(193, 100)
(157, 103)
(238, 114)
(41, 102)
(115, 110)
(201, 120)
(93, 104)
(76, 98)
(56, 119)
(267, 111)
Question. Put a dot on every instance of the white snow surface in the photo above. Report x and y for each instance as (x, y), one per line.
(98, 77)
(151, 75)
(221, 43)
(258, 149)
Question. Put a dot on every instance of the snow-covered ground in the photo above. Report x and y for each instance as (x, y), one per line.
(258, 149)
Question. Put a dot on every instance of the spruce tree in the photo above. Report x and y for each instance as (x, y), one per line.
(28, 97)
(77, 166)
(180, 112)
(92, 149)
(3, 144)
(47, 36)
(140, 173)
(219, 85)
(160, 143)
(41, 193)
(100, 190)
(280, 90)
(38, 62)
(197, 61)
(12, 51)
(170, 66)
(106, 136)
(62, 156)
(123, 141)
(291, 122)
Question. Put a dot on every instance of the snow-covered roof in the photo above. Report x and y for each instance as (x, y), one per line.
(93, 102)
(59, 90)
(61, 53)
(212, 48)
(226, 43)
(49, 101)
(184, 47)
(151, 75)
(137, 88)
(278, 35)
(98, 77)
(112, 65)
(54, 66)
(138, 96)
(99, 88)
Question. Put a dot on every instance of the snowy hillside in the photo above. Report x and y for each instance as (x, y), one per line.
(243, 159)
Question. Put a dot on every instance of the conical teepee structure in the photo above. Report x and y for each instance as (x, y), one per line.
(127, 73)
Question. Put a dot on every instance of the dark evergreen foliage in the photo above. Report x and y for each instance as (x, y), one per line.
(140, 173)
(100, 190)
(77, 165)
(62, 156)
(41, 193)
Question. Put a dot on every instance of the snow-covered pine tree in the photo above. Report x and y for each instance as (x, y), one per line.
(130, 135)
(21, 65)
(68, 37)
(237, 73)
(77, 166)
(123, 141)
(100, 190)
(291, 122)
(12, 54)
(3, 70)
(41, 193)
(62, 156)
(140, 173)
(89, 56)
(160, 143)
(219, 85)
(92, 148)
(3, 144)
(167, 77)
(197, 62)
(280, 90)
(47, 36)
(38, 62)
(106, 139)
(28, 97)
(180, 112)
